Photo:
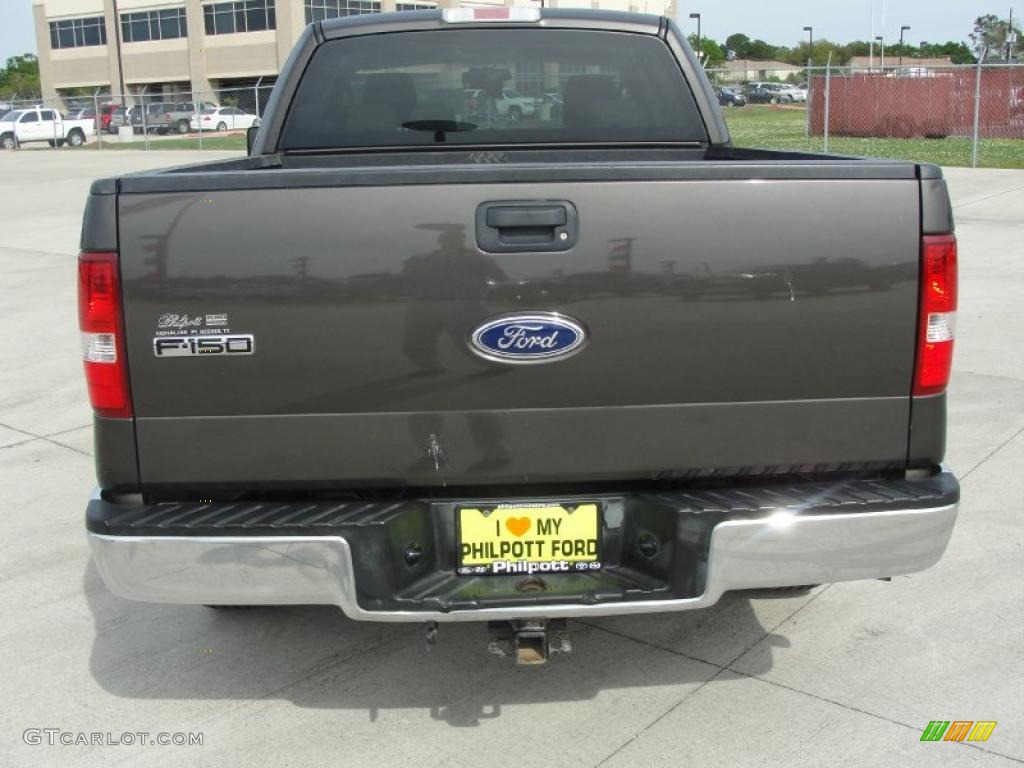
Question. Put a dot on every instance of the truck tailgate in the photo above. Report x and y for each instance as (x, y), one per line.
(728, 324)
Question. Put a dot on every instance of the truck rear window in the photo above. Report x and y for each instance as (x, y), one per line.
(501, 86)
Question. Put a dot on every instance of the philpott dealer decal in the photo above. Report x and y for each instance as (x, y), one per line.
(185, 335)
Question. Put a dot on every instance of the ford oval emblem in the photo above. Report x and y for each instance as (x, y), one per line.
(537, 337)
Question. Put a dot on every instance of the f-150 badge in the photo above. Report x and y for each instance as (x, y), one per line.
(203, 346)
(537, 337)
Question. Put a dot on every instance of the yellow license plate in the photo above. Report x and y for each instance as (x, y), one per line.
(528, 539)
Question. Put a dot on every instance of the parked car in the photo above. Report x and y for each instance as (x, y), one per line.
(119, 117)
(514, 105)
(28, 125)
(730, 98)
(510, 104)
(789, 93)
(755, 94)
(152, 117)
(86, 113)
(426, 375)
(223, 119)
(170, 116)
(106, 110)
(774, 93)
(181, 114)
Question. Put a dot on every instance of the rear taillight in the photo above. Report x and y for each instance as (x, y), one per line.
(99, 320)
(938, 314)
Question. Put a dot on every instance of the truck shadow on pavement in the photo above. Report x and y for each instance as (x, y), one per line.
(313, 656)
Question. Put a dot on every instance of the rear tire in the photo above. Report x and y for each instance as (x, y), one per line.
(182, 127)
(7, 141)
(75, 139)
(515, 114)
(221, 127)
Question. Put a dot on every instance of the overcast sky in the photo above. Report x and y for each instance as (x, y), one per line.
(779, 22)
(16, 33)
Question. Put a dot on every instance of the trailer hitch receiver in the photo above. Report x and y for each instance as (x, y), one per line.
(529, 642)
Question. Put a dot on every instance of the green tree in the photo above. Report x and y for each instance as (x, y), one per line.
(819, 57)
(20, 76)
(990, 35)
(711, 52)
(742, 47)
(906, 51)
(761, 51)
(738, 44)
(959, 53)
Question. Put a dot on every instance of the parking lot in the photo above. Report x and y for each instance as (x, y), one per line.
(845, 674)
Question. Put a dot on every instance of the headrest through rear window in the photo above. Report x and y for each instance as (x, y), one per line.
(583, 94)
(393, 89)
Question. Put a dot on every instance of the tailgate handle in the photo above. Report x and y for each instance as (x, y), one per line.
(507, 218)
(524, 226)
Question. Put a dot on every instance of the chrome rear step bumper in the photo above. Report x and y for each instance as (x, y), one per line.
(302, 570)
(786, 546)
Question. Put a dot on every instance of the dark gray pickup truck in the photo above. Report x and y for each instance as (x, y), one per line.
(428, 363)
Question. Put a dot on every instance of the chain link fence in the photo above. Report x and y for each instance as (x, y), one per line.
(949, 115)
(969, 115)
(216, 119)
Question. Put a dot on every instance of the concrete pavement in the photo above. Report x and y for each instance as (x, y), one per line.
(849, 673)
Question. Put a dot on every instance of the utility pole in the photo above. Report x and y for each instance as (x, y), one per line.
(871, 40)
(881, 40)
(903, 29)
(120, 59)
(697, 17)
(1011, 38)
(810, 64)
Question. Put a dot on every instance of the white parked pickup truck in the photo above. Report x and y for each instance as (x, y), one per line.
(514, 105)
(25, 125)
